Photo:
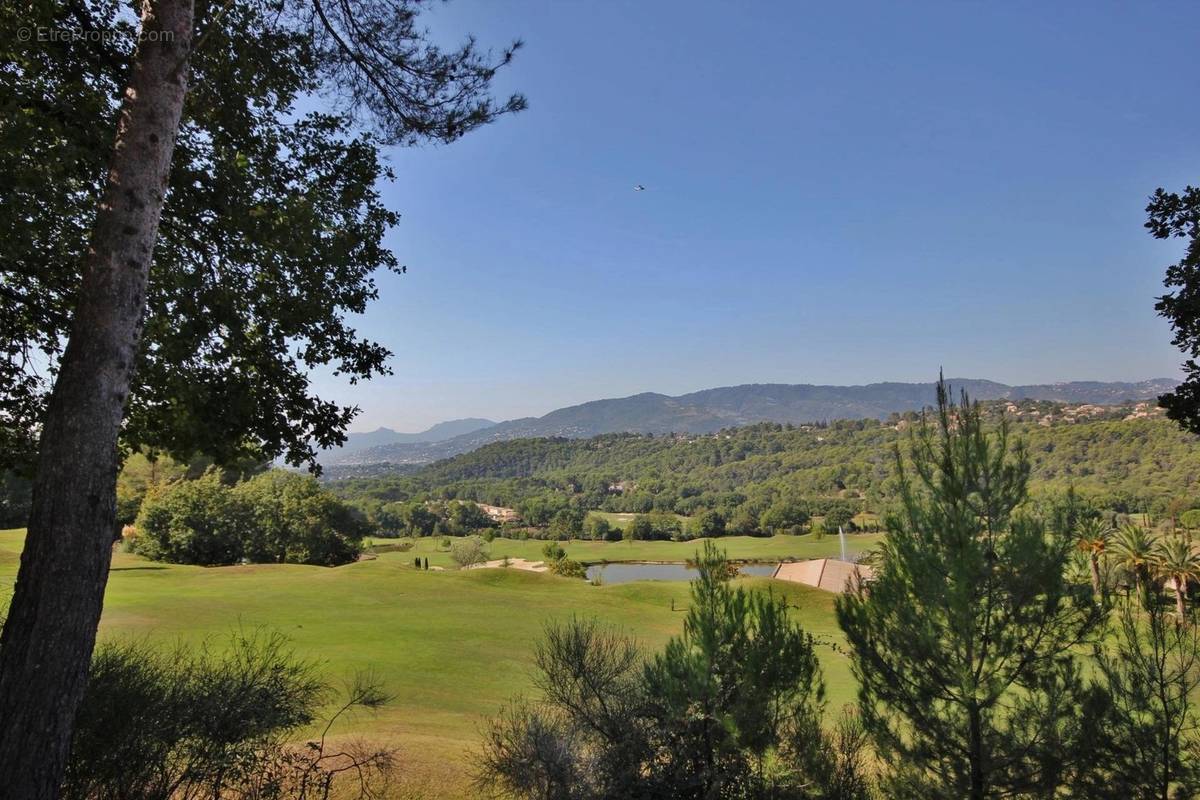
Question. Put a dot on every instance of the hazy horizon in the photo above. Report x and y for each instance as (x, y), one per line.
(967, 192)
(498, 419)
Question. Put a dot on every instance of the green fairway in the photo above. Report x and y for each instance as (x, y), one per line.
(748, 548)
(452, 646)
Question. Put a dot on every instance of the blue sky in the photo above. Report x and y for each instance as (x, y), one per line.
(835, 193)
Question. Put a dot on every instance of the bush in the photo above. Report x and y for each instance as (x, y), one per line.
(709, 524)
(784, 516)
(275, 517)
(193, 522)
(597, 528)
(568, 568)
(298, 522)
(468, 551)
(188, 724)
(1190, 519)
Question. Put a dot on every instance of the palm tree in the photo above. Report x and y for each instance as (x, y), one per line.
(1178, 561)
(1136, 550)
(1094, 538)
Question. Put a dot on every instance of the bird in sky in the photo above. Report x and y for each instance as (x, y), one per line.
(637, 187)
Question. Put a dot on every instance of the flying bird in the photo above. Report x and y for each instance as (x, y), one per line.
(637, 187)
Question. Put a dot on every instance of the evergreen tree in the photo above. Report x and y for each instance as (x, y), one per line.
(724, 693)
(1145, 731)
(963, 643)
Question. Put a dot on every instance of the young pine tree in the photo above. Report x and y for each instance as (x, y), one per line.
(724, 695)
(963, 643)
(1147, 734)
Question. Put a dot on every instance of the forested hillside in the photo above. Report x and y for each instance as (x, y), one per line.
(1123, 458)
(712, 410)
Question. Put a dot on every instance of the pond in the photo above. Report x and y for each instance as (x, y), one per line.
(625, 573)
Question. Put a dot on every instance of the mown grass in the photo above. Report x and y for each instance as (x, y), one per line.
(453, 646)
(749, 548)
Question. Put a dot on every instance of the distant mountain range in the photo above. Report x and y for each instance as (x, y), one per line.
(385, 437)
(713, 409)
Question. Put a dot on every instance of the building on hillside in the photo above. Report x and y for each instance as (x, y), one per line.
(499, 513)
(828, 574)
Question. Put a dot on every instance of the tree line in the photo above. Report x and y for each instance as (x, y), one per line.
(768, 478)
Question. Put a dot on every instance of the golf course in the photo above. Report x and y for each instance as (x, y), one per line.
(452, 646)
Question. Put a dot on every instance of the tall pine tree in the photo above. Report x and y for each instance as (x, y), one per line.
(963, 643)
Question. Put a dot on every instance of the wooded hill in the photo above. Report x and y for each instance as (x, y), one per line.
(712, 410)
(1126, 458)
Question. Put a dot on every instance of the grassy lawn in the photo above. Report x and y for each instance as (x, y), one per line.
(620, 519)
(773, 548)
(452, 646)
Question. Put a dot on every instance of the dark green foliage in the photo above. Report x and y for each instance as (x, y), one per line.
(784, 516)
(273, 225)
(598, 529)
(275, 517)
(640, 528)
(963, 644)
(15, 497)
(1173, 215)
(295, 521)
(185, 723)
(1190, 519)
(707, 524)
(194, 522)
(722, 694)
(425, 563)
(568, 568)
(839, 517)
(465, 517)
(1144, 730)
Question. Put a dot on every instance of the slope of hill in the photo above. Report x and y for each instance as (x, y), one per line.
(1127, 458)
(383, 437)
(711, 410)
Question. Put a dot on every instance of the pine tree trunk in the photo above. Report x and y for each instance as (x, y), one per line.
(975, 751)
(51, 628)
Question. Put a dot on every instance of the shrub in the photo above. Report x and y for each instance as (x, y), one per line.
(184, 723)
(708, 524)
(298, 522)
(784, 516)
(598, 528)
(275, 517)
(468, 551)
(568, 568)
(193, 522)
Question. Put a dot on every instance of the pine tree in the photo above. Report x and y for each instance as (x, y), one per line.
(963, 642)
(1146, 731)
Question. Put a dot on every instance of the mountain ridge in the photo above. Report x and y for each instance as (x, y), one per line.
(710, 410)
(384, 437)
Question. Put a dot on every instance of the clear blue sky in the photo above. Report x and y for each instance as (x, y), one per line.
(835, 193)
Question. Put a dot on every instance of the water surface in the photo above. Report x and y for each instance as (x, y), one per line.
(625, 573)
